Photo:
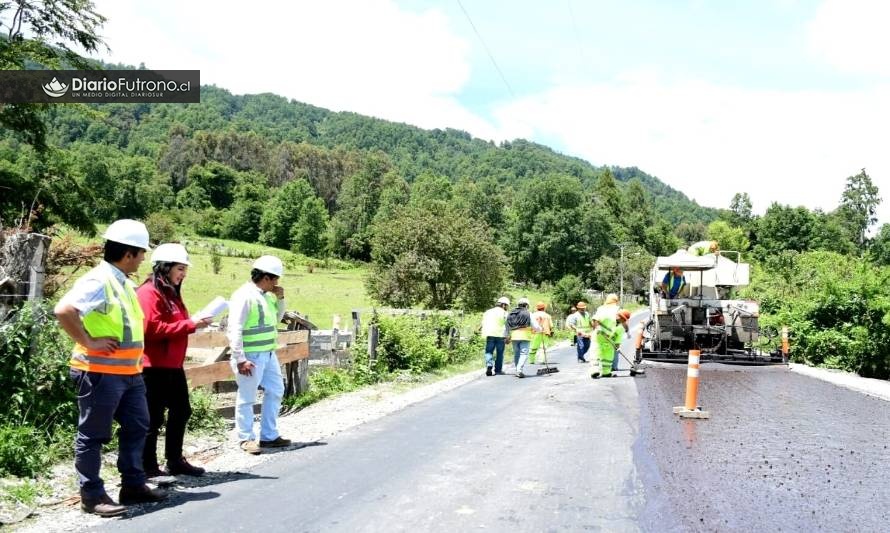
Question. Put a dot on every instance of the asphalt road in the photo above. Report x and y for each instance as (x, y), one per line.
(781, 452)
(544, 453)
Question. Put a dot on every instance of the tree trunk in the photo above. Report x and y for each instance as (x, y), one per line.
(22, 265)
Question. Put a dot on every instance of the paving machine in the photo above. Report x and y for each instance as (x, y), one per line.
(705, 315)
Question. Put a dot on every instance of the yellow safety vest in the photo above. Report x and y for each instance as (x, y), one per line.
(259, 333)
(122, 320)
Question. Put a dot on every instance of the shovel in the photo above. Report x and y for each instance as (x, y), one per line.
(634, 369)
(547, 368)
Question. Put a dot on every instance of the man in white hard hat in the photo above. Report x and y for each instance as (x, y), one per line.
(254, 311)
(101, 314)
(494, 330)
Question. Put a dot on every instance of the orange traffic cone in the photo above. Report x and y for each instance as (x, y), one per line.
(691, 409)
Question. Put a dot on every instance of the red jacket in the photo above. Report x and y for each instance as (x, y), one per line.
(166, 331)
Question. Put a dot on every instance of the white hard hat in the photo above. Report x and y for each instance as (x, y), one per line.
(126, 231)
(522, 301)
(170, 252)
(269, 264)
(504, 300)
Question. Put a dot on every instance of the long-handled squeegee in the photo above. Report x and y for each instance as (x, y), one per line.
(547, 368)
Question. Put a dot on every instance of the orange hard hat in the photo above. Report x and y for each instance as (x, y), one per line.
(624, 315)
(581, 305)
(540, 306)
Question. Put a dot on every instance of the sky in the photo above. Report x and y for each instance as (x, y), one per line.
(782, 99)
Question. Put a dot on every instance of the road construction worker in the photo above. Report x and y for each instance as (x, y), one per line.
(704, 247)
(522, 328)
(101, 314)
(541, 339)
(605, 322)
(673, 283)
(620, 333)
(494, 331)
(254, 311)
(167, 330)
(580, 323)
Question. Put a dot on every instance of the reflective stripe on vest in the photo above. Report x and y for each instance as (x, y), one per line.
(259, 332)
(671, 280)
(583, 323)
(122, 320)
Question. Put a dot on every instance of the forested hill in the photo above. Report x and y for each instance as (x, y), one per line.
(412, 150)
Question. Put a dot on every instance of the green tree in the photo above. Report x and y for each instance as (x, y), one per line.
(740, 210)
(53, 26)
(283, 212)
(568, 291)
(435, 258)
(358, 202)
(880, 247)
(859, 203)
(309, 234)
(431, 191)
(553, 230)
(729, 237)
(784, 228)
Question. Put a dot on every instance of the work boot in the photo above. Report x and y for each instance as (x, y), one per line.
(103, 506)
(488, 371)
(520, 375)
(155, 471)
(250, 447)
(183, 467)
(595, 375)
(277, 443)
(130, 495)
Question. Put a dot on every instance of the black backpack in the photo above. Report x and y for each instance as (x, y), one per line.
(519, 318)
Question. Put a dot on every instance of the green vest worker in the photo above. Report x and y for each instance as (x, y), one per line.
(254, 312)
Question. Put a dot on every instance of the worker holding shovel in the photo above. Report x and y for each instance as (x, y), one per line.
(605, 324)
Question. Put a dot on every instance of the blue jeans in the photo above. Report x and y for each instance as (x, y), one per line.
(267, 374)
(520, 354)
(494, 350)
(582, 344)
(102, 398)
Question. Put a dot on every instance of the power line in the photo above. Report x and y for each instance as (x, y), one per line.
(487, 51)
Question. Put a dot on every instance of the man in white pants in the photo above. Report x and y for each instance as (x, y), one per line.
(254, 311)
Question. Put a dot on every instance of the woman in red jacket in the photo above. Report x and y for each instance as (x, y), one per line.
(167, 327)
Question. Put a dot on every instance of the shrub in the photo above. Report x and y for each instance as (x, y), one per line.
(204, 415)
(23, 451)
(160, 228)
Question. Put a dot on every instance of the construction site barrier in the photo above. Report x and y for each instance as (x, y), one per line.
(693, 373)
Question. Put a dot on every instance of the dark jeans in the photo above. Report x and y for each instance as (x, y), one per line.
(582, 344)
(102, 398)
(494, 349)
(165, 389)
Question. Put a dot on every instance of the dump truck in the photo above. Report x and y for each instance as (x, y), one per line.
(706, 315)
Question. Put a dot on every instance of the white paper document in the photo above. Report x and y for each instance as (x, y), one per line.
(215, 307)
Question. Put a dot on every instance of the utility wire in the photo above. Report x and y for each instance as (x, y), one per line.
(487, 51)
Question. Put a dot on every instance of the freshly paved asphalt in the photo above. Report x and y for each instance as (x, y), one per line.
(781, 452)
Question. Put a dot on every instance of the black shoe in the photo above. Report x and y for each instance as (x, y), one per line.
(582, 360)
(104, 506)
(183, 467)
(141, 494)
(499, 373)
(155, 471)
(489, 371)
(595, 375)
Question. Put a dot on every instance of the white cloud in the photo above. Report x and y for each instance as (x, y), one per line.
(851, 35)
(706, 140)
(712, 141)
(368, 57)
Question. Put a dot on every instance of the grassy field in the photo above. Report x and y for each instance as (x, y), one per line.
(315, 288)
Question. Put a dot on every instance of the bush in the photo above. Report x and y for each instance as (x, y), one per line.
(160, 228)
(23, 451)
(204, 417)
